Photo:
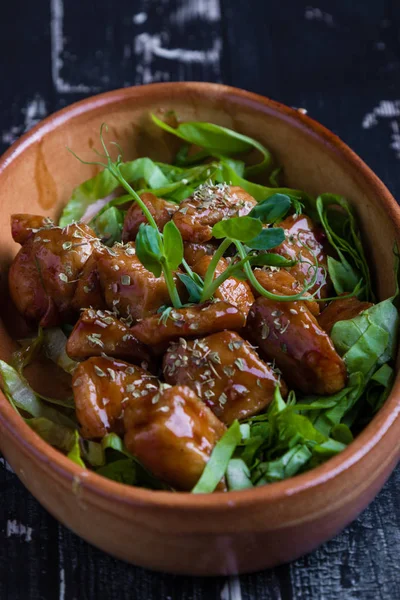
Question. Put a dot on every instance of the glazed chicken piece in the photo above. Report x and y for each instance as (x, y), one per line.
(193, 252)
(226, 373)
(161, 210)
(128, 286)
(341, 310)
(88, 290)
(44, 274)
(101, 388)
(287, 333)
(283, 283)
(207, 206)
(232, 290)
(303, 242)
(100, 332)
(189, 322)
(23, 226)
(172, 434)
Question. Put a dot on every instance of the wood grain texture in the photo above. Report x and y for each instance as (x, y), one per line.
(339, 60)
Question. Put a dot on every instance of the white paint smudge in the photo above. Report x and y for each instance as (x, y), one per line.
(15, 528)
(395, 145)
(207, 10)
(33, 112)
(150, 46)
(6, 465)
(232, 589)
(57, 49)
(386, 109)
(140, 18)
(61, 594)
(316, 14)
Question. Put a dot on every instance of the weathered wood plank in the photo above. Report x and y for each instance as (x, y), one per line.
(341, 61)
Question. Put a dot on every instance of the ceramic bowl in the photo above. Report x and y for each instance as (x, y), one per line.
(177, 532)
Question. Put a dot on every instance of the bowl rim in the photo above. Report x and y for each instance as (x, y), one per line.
(388, 416)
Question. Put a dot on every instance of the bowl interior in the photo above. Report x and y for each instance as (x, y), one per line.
(40, 174)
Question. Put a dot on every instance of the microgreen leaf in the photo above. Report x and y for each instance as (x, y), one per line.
(173, 245)
(272, 209)
(148, 249)
(267, 239)
(242, 229)
(194, 288)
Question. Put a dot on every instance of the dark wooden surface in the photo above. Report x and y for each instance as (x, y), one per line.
(341, 61)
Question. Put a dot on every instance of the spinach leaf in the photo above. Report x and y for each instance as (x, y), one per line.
(341, 229)
(238, 475)
(218, 140)
(108, 225)
(218, 462)
(23, 398)
(104, 184)
(283, 467)
(368, 340)
(123, 471)
(75, 453)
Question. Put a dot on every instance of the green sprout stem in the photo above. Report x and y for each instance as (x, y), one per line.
(212, 266)
(261, 290)
(113, 169)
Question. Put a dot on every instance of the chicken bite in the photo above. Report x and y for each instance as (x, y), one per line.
(193, 252)
(281, 282)
(23, 226)
(341, 310)
(207, 206)
(88, 292)
(232, 290)
(172, 434)
(128, 286)
(99, 332)
(303, 243)
(287, 333)
(44, 274)
(226, 373)
(101, 388)
(160, 209)
(189, 322)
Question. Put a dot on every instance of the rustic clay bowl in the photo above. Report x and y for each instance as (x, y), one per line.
(177, 532)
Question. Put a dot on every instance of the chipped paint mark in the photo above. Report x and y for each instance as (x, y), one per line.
(207, 10)
(61, 594)
(395, 145)
(148, 47)
(232, 589)
(6, 465)
(386, 109)
(57, 49)
(140, 18)
(316, 14)
(33, 112)
(20, 530)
